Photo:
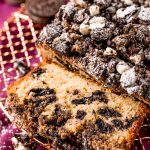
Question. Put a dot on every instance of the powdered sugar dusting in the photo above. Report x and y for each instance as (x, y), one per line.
(144, 14)
(128, 78)
(128, 11)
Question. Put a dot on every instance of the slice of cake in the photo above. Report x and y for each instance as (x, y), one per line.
(72, 112)
(108, 40)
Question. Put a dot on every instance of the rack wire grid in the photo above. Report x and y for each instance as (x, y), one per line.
(17, 43)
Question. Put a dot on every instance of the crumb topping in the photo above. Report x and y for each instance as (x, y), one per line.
(108, 38)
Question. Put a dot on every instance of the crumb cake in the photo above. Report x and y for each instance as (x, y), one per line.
(108, 40)
(73, 112)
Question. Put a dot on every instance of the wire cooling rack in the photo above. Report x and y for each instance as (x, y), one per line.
(17, 43)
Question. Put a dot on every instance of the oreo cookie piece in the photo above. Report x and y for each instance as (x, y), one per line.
(21, 67)
(43, 11)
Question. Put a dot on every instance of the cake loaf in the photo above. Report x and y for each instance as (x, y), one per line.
(71, 112)
(108, 40)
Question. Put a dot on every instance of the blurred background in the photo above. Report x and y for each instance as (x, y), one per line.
(5, 11)
(7, 7)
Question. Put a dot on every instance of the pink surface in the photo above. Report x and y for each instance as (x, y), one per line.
(5, 11)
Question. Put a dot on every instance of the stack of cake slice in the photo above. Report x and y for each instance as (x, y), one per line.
(84, 96)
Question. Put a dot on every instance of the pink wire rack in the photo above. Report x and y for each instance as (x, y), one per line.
(17, 43)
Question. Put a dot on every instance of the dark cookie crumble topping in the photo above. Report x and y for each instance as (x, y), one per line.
(109, 39)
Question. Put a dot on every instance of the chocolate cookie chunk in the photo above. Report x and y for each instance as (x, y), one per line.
(21, 67)
(42, 11)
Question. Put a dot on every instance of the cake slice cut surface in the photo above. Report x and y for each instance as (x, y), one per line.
(73, 112)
